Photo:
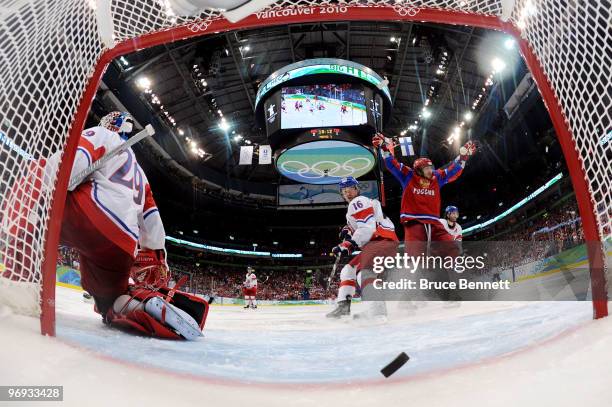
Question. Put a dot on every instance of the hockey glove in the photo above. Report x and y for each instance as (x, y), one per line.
(346, 233)
(467, 150)
(344, 249)
(150, 268)
(379, 141)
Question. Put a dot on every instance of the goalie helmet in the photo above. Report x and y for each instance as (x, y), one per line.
(119, 122)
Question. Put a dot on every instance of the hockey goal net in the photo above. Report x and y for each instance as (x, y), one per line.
(54, 53)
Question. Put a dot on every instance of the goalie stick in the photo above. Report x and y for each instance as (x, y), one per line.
(81, 176)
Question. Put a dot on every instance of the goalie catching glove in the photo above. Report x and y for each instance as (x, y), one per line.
(150, 268)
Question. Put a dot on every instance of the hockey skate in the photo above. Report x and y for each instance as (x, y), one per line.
(375, 309)
(247, 306)
(175, 317)
(343, 308)
(254, 306)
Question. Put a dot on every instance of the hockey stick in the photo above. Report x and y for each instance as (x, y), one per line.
(375, 113)
(333, 272)
(81, 176)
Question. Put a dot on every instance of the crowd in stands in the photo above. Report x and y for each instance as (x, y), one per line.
(226, 280)
(545, 234)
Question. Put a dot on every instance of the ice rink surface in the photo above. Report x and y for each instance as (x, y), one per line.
(518, 353)
(331, 115)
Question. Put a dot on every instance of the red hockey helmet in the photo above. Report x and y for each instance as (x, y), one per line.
(421, 163)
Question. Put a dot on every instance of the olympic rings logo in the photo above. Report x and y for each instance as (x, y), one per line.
(405, 10)
(198, 26)
(319, 170)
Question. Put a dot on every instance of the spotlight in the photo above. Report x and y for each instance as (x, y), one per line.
(224, 125)
(143, 82)
(468, 116)
(426, 113)
(498, 65)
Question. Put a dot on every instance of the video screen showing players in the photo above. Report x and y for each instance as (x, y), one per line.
(323, 106)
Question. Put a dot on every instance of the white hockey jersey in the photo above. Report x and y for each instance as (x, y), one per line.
(368, 222)
(456, 231)
(251, 281)
(117, 197)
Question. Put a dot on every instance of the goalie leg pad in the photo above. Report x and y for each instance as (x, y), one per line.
(175, 317)
(147, 312)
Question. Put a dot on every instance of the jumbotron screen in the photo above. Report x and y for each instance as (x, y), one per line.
(323, 106)
(325, 161)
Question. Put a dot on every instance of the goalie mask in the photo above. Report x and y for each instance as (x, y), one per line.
(119, 122)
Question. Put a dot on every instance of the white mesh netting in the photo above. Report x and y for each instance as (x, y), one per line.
(49, 50)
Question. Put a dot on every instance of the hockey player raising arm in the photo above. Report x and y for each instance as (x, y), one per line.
(368, 229)
(108, 217)
(420, 208)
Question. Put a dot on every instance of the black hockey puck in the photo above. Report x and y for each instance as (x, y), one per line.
(395, 364)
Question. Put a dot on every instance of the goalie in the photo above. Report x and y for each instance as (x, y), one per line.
(112, 220)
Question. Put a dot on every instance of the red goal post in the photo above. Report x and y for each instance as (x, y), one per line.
(54, 53)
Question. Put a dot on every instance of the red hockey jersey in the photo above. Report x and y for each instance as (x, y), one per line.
(421, 196)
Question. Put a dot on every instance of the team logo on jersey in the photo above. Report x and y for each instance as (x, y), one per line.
(424, 182)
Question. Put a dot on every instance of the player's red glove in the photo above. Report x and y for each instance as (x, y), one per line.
(378, 141)
(467, 150)
(344, 249)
